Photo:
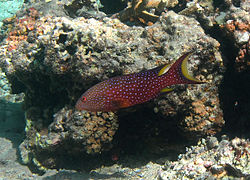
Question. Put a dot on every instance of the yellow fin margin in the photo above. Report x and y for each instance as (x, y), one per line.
(164, 69)
(166, 90)
(184, 69)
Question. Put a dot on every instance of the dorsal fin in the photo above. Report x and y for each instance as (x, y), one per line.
(164, 69)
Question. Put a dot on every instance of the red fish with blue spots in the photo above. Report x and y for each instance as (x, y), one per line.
(128, 90)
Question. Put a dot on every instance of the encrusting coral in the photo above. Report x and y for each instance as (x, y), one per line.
(18, 29)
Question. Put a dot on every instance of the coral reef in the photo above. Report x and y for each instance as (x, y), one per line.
(235, 25)
(17, 29)
(64, 57)
(71, 132)
(211, 159)
(68, 8)
(201, 10)
(52, 55)
(233, 22)
(232, 28)
(242, 62)
(140, 10)
(203, 115)
(10, 168)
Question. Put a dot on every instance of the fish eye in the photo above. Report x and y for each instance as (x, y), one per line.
(84, 99)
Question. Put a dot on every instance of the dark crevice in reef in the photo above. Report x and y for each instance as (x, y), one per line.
(234, 92)
(112, 6)
(146, 136)
(16, 85)
(179, 7)
(53, 98)
(235, 99)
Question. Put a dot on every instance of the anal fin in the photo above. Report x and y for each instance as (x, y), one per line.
(166, 90)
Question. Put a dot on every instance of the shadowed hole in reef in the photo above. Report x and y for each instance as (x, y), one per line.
(234, 92)
(62, 38)
(235, 100)
(112, 6)
(146, 136)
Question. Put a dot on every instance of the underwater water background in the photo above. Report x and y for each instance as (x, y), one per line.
(51, 52)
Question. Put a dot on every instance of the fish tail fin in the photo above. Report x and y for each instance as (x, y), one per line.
(178, 72)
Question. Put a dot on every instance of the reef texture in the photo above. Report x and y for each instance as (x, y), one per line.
(232, 18)
(68, 8)
(60, 58)
(70, 133)
(17, 29)
(211, 159)
(200, 113)
(139, 10)
(232, 23)
(235, 25)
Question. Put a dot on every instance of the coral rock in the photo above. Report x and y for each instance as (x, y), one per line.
(64, 57)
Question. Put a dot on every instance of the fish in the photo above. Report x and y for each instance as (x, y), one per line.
(128, 90)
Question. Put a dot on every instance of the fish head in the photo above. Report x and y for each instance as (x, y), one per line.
(92, 100)
(82, 103)
(87, 102)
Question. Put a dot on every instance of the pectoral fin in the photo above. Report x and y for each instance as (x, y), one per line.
(122, 103)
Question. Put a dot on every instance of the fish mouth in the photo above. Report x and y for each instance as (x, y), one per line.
(78, 106)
